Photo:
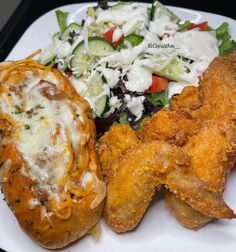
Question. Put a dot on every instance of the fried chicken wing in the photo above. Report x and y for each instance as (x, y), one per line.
(184, 213)
(187, 101)
(212, 152)
(130, 191)
(194, 192)
(217, 91)
(112, 145)
(215, 97)
(169, 126)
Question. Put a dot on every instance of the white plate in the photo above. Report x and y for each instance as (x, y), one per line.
(158, 231)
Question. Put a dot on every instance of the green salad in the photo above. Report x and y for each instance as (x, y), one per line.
(129, 59)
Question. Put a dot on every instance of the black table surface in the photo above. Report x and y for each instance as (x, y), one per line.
(30, 10)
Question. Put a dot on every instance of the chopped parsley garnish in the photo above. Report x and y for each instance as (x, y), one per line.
(18, 110)
(27, 127)
(39, 107)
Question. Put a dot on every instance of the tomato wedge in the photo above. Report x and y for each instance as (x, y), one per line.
(108, 35)
(159, 84)
(69, 74)
(202, 26)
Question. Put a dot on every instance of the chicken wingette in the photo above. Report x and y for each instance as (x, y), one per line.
(141, 171)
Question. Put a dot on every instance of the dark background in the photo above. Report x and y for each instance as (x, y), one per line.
(30, 10)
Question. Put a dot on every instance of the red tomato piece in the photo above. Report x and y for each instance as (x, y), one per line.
(202, 26)
(108, 35)
(159, 84)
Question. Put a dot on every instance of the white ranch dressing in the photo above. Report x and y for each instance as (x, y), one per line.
(197, 45)
(163, 26)
(176, 88)
(139, 78)
(135, 105)
(128, 56)
(58, 48)
(117, 34)
(111, 76)
(140, 62)
(131, 17)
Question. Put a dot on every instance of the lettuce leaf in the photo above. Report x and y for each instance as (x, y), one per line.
(227, 44)
(61, 19)
(159, 99)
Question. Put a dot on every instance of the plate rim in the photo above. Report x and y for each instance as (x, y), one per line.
(89, 4)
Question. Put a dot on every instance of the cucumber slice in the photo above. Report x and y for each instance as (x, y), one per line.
(73, 27)
(159, 9)
(83, 61)
(94, 90)
(120, 5)
(133, 39)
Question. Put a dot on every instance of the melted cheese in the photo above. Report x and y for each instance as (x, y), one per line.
(32, 203)
(41, 134)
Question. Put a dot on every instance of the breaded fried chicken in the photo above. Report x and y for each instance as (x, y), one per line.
(217, 91)
(215, 97)
(113, 144)
(141, 171)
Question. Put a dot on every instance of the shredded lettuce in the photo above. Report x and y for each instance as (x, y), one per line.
(159, 9)
(173, 70)
(61, 19)
(152, 10)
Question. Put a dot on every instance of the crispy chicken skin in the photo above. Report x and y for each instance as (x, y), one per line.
(113, 144)
(169, 126)
(187, 101)
(212, 152)
(215, 97)
(184, 213)
(131, 189)
(217, 91)
(194, 192)
(210, 146)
